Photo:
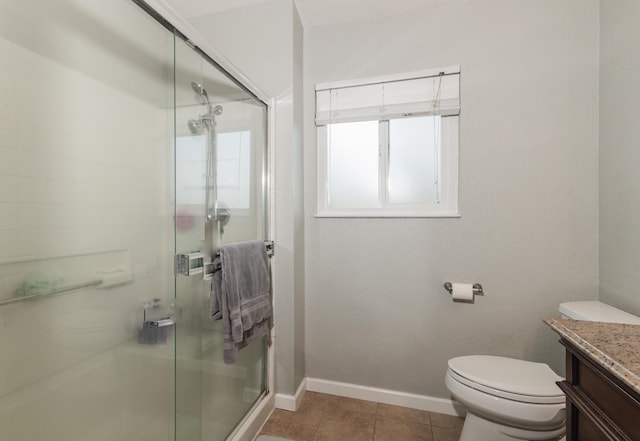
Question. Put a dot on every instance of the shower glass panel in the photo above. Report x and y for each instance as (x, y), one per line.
(121, 146)
(229, 392)
(86, 222)
(190, 171)
(220, 198)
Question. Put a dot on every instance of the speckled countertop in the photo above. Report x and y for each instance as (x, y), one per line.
(614, 346)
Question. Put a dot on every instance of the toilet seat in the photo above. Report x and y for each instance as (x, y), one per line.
(512, 413)
(512, 379)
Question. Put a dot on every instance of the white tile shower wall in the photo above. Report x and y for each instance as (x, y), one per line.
(8, 216)
(86, 402)
(67, 179)
(83, 173)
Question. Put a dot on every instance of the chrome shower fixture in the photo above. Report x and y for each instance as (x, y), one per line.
(200, 91)
(217, 110)
(195, 126)
(213, 212)
(207, 120)
(204, 97)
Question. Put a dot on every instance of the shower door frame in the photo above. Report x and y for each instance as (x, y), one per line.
(249, 426)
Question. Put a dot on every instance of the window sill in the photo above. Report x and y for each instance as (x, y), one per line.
(388, 214)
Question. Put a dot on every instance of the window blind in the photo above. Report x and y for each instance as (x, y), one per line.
(433, 92)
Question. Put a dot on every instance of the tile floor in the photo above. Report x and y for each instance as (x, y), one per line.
(329, 418)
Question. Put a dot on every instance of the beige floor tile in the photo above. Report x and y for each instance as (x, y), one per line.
(305, 423)
(278, 423)
(390, 429)
(446, 421)
(442, 434)
(302, 433)
(403, 413)
(315, 399)
(324, 417)
(335, 403)
(349, 426)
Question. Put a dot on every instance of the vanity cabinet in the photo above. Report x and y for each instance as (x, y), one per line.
(599, 405)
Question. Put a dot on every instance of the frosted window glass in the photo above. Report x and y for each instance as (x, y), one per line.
(414, 160)
(190, 169)
(234, 169)
(353, 165)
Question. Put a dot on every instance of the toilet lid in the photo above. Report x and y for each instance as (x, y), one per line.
(510, 378)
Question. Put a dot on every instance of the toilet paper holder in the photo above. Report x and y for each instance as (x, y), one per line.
(477, 288)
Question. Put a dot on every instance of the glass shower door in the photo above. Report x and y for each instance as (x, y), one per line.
(86, 229)
(219, 198)
(117, 139)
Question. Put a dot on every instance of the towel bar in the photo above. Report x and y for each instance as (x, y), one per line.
(269, 245)
(195, 262)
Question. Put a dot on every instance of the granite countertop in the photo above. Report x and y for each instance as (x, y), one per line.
(614, 346)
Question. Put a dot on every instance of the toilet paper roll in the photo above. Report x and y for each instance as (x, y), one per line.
(462, 291)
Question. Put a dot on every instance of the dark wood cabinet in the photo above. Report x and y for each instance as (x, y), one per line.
(599, 405)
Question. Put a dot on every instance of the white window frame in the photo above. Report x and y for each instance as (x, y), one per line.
(448, 176)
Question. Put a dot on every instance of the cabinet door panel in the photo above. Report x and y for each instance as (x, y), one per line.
(611, 399)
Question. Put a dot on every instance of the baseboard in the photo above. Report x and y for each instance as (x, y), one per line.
(291, 402)
(421, 402)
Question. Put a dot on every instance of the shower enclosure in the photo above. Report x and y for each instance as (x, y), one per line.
(124, 149)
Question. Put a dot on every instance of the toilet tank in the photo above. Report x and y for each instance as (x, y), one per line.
(594, 311)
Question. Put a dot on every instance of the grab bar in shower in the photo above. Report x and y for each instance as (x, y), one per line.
(109, 278)
(52, 292)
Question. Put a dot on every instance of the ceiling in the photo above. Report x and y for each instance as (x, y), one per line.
(312, 12)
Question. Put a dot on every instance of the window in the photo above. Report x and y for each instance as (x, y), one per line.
(388, 147)
(233, 168)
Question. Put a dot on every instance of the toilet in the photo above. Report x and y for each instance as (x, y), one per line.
(509, 399)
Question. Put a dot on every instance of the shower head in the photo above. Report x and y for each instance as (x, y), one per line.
(208, 121)
(200, 91)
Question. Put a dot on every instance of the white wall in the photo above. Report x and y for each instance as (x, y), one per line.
(619, 154)
(376, 312)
